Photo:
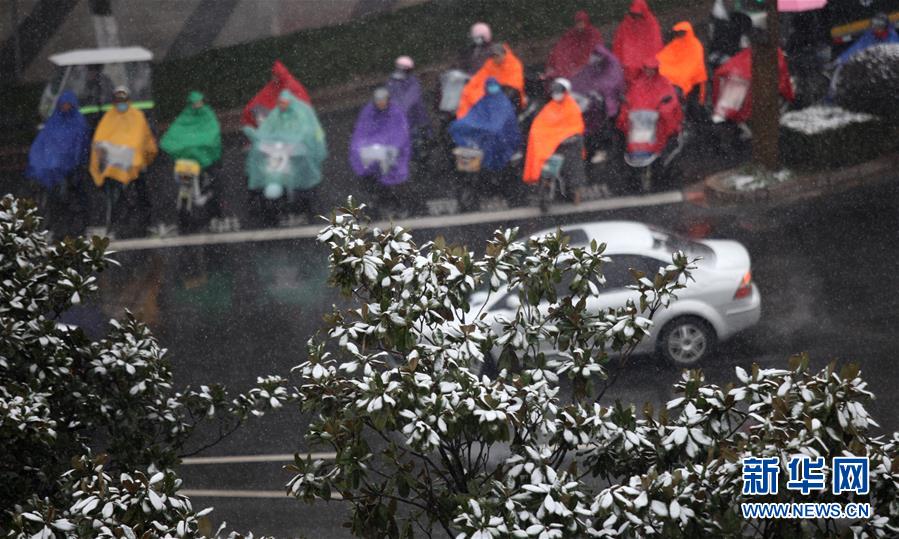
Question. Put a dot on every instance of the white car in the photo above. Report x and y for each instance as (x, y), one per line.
(721, 302)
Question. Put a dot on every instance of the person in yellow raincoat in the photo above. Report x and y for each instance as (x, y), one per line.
(558, 128)
(122, 149)
(123, 145)
(503, 66)
(682, 62)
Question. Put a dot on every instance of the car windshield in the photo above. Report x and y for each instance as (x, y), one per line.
(671, 242)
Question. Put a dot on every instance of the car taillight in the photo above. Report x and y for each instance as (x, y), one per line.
(745, 289)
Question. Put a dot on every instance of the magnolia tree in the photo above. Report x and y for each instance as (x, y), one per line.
(64, 398)
(427, 445)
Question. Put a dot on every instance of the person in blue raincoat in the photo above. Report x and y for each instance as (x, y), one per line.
(491, 126)
(60, 151)
(62, 146)
(881, 32)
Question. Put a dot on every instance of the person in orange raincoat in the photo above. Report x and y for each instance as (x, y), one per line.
(682, 61)
(503, 66)
(637, 39)
(558, 121)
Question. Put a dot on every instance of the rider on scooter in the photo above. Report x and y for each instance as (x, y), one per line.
(123, 148)
(405, 94)
(599, 88)
(194, 142)
(264, 101)
(650, 96)
(491, 126)
(558, 128)
(380, 149)
(573, 50)
(503, 66)
(58, 154)
(682, 62)
(473, 56)
(195, 134)
(287, 154)
(637, 39)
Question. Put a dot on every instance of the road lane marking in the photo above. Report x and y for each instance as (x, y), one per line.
(269, 494)
(244, 459)
(415, 223)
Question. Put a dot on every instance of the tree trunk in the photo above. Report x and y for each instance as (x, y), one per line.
(765, 121)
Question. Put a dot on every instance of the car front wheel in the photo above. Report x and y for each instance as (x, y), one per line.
(685, 342)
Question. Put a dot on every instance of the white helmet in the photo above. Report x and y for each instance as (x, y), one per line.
(481, 30)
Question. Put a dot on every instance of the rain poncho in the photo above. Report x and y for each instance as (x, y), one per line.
(683, 61)
(556, 122)
(647, 92)
(128, 144)
(509, 73)
(267, 97)
(62, 145)
(288, 148)
(491, 126)
(637, 39)
(195, 134)
(868, 39)
(607, 80)
(740, 65)
(573, 50)
(379, 131)
(406, 95)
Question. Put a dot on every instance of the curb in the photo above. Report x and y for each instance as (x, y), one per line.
(804, 186)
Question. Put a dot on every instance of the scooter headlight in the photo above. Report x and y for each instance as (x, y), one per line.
(273, 191)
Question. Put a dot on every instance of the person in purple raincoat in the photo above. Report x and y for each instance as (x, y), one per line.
(599, 87)
(381, 146)
(405, 93)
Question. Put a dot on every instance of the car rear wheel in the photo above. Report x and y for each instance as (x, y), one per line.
(687, 341)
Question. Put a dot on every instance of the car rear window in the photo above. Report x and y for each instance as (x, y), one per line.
(670, 242)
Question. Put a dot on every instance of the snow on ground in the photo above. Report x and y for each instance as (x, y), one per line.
(747, 181)
(818, 119)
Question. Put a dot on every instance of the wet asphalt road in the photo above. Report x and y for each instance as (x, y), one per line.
(229, 313)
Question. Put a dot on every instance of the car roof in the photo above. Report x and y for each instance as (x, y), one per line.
(108, 55)
(619, 236)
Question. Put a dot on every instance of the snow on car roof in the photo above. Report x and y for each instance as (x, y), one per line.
(108, 55)
(619, 236)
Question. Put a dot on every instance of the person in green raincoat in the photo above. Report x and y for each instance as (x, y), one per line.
(195, 134)
(288, 150)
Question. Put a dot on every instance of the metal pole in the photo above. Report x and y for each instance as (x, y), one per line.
(17, 48)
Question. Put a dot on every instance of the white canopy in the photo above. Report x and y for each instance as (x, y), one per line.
(109, 55)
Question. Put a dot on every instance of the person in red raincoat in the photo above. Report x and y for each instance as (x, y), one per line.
(651, 91)
(572, 52)
(267, 97)
(638, 38)
(740, 66)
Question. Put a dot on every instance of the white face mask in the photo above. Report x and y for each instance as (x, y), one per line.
(558, 96)
(478, 40)
(399, 74)
(744, 42)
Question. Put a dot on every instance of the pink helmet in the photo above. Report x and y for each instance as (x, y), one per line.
(405, 62)
(481, 30)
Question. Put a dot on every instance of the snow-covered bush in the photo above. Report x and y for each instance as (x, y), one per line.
(62, 394)
(823, 137)
(427, 446)
(869, 82)
(132, 505)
